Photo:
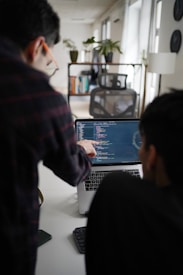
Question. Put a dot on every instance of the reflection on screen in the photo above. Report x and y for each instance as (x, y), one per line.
(119, 140)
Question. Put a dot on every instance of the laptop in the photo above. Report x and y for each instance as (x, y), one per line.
(119, 142)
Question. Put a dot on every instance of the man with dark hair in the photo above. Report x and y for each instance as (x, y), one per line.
(135, 226)
(35, 125)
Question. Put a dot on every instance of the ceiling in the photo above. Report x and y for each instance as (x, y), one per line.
(81, 11)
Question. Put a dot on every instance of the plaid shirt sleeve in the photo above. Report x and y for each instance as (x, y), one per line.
(64, 157)
(56, 140)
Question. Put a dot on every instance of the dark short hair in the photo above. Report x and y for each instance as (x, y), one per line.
(162, 125)
(24, 20)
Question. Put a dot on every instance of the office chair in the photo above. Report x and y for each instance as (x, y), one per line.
(112, 81)
(112, 98)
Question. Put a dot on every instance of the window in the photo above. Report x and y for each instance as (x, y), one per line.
(105, 33)
(106, 29)
(157, 24)
(154, 46)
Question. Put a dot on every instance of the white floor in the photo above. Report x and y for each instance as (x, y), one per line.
(80, 106)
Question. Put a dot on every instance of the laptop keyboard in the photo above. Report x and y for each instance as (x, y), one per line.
(95, 178)
(134, 172)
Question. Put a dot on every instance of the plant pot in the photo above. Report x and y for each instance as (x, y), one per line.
(109, 57)
(73, 56)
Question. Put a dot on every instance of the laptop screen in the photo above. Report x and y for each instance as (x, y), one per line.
(119, 139)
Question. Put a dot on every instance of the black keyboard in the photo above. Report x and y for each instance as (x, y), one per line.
(95, 178)
(79, 238)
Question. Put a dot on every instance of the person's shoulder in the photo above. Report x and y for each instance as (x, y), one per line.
(121, 178)
(124, 184)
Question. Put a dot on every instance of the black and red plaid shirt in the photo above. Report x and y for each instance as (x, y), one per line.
(35, 125)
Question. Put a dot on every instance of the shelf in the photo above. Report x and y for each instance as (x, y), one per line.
(82, 94)
(99, 63)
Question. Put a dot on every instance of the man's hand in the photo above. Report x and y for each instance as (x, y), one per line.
(88, 145)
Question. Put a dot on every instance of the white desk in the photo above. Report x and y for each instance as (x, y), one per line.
(59, 216)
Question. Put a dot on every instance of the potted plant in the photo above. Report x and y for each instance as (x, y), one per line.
(88, 48)
(73, 51)
(107, 47)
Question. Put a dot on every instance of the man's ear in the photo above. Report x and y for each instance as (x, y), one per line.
(33, 49)
(152, 157)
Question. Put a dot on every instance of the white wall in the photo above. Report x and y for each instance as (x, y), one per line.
(168, 25)
(78, 33)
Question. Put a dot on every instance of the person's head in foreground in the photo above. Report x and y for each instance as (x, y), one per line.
(135, 226)
(161, 129)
